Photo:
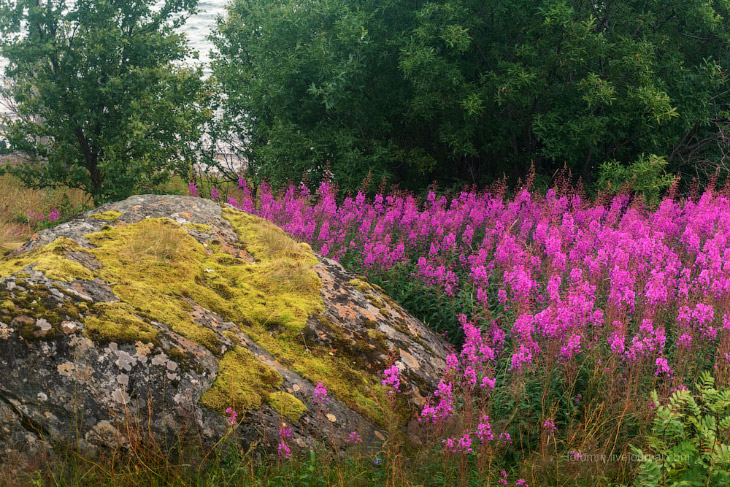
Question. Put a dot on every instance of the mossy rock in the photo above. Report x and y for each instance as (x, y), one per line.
(186, 309)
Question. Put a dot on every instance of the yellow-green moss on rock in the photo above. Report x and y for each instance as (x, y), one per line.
(118, 322)
(152, 266)
(243, 382)
(287, 405)
(157, 267)
(49, 259)
(353, 386)
(283, 289)
(110, 215)
(198, 227)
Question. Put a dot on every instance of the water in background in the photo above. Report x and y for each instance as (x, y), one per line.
(199, 26)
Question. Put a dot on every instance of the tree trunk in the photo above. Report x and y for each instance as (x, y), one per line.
(91, 160)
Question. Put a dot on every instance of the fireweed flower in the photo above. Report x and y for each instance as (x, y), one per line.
(445, 406)
(320, 393)
(354, 438)
(565, 263)
(549, 427)
(503, 480)
(662, 367)
(465, 443)
(192, 189)
(283, 450)
(458, 445)
(488, 383)
(392, 378)
(452, 362)
(53, 215)
(484, 430)
(232, 414)
(284, 432)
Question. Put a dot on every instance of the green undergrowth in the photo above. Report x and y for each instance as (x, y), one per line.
(227, 467)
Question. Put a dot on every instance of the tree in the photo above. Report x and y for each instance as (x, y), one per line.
(466, 90)
(102, 100)
(314, 84)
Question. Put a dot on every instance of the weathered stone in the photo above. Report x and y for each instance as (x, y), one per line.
(103, 328)
(69, 327)
(43, 328)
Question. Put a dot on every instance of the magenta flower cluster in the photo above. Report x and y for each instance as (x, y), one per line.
(392, 378)
(548, 283)
(320, 394)
(232, 415)
(576, 277)
(283, 449)
(53, 215)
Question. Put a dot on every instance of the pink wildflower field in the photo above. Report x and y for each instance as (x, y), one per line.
(564, 313)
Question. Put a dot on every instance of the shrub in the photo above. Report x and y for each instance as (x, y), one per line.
(689, 442)
(646, 176)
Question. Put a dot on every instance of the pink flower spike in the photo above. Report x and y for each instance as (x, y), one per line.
(549, 427)
(320, 393)
(192, 189)
(392, 378)
(284, 451)
(284, 432)
(232, 414)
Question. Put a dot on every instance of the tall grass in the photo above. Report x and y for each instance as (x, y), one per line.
(21, 208)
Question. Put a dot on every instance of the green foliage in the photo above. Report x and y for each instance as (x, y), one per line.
(460, 90)
(313, 81)
(690, 441)
(646, 176)
(102, 102)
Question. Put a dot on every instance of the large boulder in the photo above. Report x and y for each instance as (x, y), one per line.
(152, 316)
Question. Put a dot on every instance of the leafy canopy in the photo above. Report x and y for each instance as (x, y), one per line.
(102, 101)
(466, 90)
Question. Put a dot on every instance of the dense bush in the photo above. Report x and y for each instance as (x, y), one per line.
(464, 90)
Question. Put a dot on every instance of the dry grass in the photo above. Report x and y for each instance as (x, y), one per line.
(16, 203)
(164, 242)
